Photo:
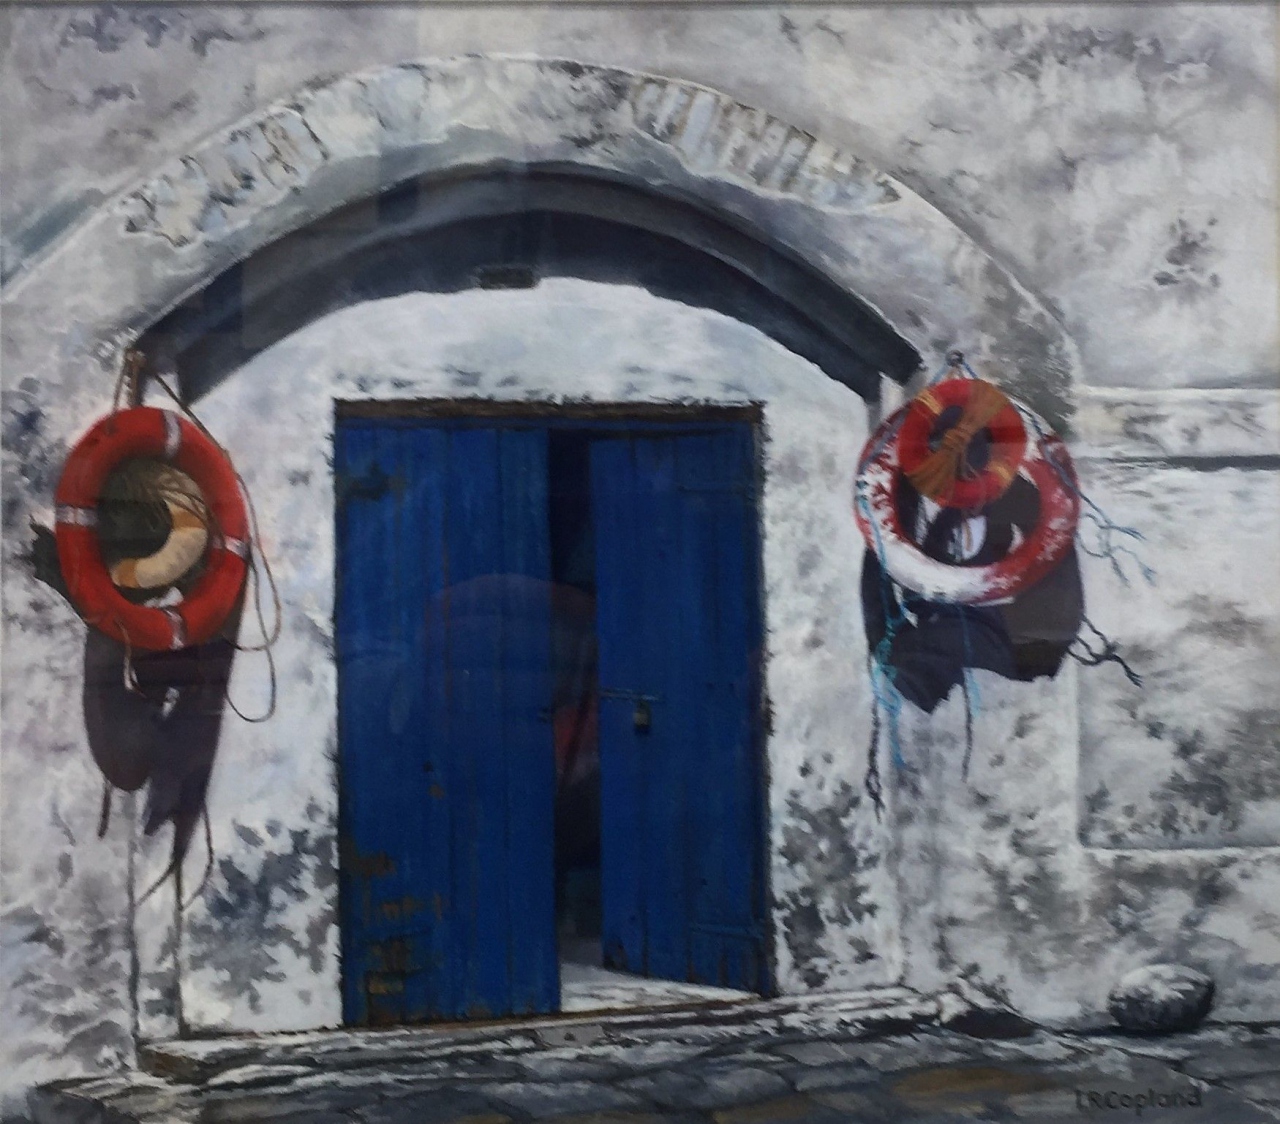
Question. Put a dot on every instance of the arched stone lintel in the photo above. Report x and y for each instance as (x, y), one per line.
(356, 136)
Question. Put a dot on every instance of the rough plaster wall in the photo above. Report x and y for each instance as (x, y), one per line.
(1121, 160)
(1089, 147)
(1007, 898)
(260, 947)
(65, 319)
(80, 967)
(1107, 826)
(1192, 758)
(991, 883)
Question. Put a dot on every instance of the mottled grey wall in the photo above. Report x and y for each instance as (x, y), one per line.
(1121, 160)
(260, 946)
(1110, 171)
(1192, 759)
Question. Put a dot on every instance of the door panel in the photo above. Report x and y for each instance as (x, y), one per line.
(447, 771)
(678, 612)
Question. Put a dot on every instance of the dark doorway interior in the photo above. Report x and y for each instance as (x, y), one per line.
(576, 707)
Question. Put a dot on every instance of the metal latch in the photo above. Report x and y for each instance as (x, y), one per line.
(642, 707)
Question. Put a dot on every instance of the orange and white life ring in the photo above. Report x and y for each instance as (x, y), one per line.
(1047, 465)
(149, 432)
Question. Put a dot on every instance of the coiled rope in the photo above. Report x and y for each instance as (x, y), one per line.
(269, 636)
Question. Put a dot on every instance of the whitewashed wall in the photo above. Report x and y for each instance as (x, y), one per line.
(1115, 166)
(275, 790)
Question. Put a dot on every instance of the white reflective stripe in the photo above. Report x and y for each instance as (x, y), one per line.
(238, 547)
(172, 435)
(76, 516)
(178, 628)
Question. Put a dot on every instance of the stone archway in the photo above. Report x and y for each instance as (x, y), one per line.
(357, 135)
(70, 313)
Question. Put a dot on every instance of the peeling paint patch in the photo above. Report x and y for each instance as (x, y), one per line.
(109, 28)
(1187, 263)
(254, 166)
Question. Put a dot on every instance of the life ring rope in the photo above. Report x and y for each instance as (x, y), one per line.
(181, 551)
(269, 636)
(244, 546)
(1104, 526)
(937, 464)
(227, 537)
(1064, 508)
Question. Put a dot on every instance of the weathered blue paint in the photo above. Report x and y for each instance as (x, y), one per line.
(447, 768)
(677, 563)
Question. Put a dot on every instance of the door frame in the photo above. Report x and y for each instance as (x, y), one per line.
(618, 418)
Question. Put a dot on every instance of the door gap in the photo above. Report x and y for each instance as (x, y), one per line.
(575, 692)
(587, 982)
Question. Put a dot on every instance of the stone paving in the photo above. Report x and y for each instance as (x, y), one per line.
(761, 1072)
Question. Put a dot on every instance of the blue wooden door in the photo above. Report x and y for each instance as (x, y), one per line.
(677, 566)
(446, 761)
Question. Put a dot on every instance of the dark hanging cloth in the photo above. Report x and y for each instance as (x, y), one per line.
(165, 734)
(1022, 639)
(162, 732)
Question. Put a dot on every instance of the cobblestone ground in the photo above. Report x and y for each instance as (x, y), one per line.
(694, 1074)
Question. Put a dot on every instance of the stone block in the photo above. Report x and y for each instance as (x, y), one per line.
(628, 1117)
(796, 1109)
(735, 1086)
(448, 1106)
(566, 1065)
(864, 1108)
(667, 1088)
(563, 1098)
(1247, 1058)
(837, 1075)
(1161, 998)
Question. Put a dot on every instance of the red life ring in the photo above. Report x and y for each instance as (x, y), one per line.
(994, 413)
(876, 508)
(148, 432)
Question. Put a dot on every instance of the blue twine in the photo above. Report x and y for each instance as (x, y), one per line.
(883, 688)
(939, 374)
(972, 693)
(884, 691)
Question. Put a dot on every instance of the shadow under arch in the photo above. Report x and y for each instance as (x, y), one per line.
(511, 228)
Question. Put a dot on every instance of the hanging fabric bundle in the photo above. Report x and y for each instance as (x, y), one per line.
(970, 507)
(961, 443)
(164, 499)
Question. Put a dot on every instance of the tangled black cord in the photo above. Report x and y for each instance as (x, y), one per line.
(1108, 652)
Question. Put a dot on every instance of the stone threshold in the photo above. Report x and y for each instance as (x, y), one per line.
(851, 1013)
